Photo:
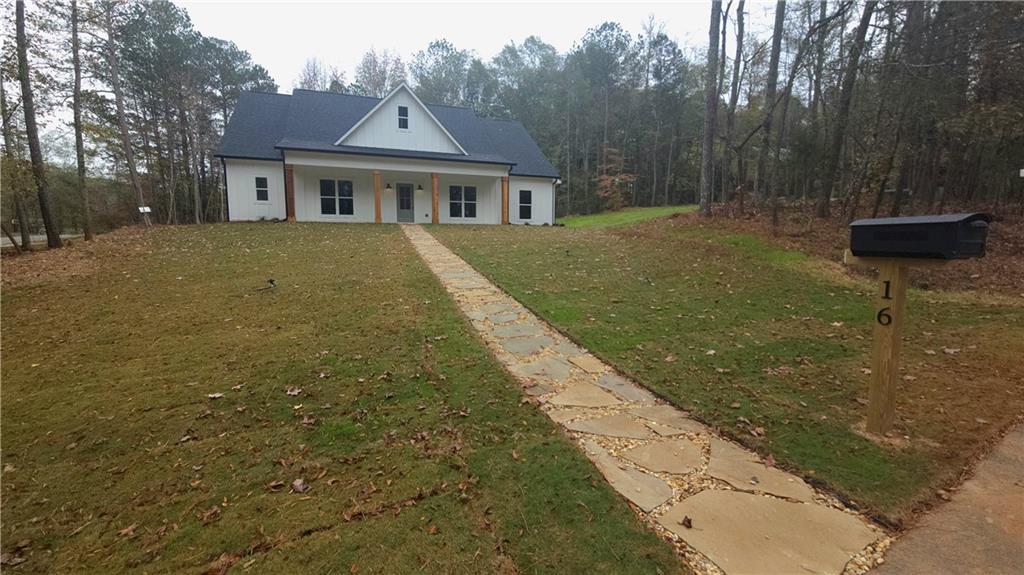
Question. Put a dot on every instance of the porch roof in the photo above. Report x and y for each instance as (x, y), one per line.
(311, 146)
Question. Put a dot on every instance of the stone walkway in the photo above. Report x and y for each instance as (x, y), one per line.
(723, 508)
(980, 531)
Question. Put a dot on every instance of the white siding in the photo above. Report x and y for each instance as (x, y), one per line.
(381, 130)
(543, 196)
(241, 182)
(488, 199)
(307, 194)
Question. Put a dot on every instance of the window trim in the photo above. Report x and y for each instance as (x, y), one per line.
(265, 188)
(403, 117)
(338, 197)
(462, 202)
(528, 205)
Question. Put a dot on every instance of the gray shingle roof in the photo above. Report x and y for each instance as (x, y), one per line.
(264, 124)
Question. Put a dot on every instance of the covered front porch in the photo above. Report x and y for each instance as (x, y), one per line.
(349, 188)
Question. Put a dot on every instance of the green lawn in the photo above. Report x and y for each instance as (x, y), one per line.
(356, 374)
(623, 217)
(771, 346)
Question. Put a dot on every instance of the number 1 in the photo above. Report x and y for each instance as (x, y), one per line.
(887, 295)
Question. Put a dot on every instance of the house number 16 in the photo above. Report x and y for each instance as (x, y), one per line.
(883, 317)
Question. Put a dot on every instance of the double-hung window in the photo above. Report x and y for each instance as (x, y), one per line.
(525, 204)
(403, 117)
(462, 201)
(336, 198)
(262, 191)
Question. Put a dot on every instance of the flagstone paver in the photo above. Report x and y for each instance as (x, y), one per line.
(624, 388)
(584, 395)
(679, 456)
(526, 346)
(668, 465)
(644, 490)
(743, 470)
(745, 533)
(618, 425)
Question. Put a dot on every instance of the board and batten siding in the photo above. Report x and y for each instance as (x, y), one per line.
(241, 183)
(543, 196)
(381, 130)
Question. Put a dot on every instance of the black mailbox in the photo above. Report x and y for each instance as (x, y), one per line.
(946, 236)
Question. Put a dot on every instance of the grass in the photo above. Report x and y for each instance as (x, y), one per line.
(623, 217)
(771, 346)
(416, 449)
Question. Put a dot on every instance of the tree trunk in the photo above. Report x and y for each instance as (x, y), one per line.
(76, 104)
(16, 199)
(769, 101)
(824, 208)
(113, 70)
(707, 164)
(32, 131)
(730, 118)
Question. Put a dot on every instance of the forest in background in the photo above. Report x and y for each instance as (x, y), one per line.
(845, 109)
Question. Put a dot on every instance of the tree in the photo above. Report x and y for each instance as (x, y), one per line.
(707, 169)
(114, 75)
(315, 75)
(734, 95)
(32, 132)
(76, 106)
(378, 74)
(769, 101)
(823, 208)
(439, 73)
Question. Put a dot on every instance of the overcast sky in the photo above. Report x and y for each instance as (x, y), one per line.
(282, 35)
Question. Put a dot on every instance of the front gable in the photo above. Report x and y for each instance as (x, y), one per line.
(401, 122)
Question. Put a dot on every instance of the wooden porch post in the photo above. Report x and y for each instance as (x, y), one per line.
(376, 196)
(435, 199)
(504, 199)
(289, 192)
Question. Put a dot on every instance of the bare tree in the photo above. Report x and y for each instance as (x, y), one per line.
(76, 105)
(114, 73)
(824, 209)
(32, 131)
(734, 94)
(769, 100)
(707, 162)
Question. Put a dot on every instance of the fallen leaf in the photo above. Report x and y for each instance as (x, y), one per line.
(292, 390)
(687, 522)
(217, 395)
(735, 405)
(710, 352)
(299, 486)
(128, 531)
(950, 350)
(670, 359)
(275, 485)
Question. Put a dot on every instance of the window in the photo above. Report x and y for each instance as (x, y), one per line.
(462, 201)
(525, 204)
(262, 191)
(336, 198)
(403, 118)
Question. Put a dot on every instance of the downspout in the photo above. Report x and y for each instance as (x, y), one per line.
(227, 206)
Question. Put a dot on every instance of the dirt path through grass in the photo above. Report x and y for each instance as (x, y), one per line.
(683, 479)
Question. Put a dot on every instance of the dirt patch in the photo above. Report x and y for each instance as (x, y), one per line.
(77, 259)
(1001, 271)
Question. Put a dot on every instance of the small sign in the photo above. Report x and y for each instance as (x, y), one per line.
(1022, 172)
(144, 209)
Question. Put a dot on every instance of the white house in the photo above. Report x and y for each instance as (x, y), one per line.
(320, 156)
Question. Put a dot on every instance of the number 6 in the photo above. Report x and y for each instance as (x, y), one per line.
(883, 316)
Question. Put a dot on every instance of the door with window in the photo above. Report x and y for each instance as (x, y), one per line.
(405, 205)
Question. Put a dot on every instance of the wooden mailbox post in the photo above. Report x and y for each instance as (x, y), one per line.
(893, 246)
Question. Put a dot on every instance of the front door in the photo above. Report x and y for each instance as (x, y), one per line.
(405, 208)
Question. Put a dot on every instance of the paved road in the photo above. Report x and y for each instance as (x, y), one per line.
(981, 531)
